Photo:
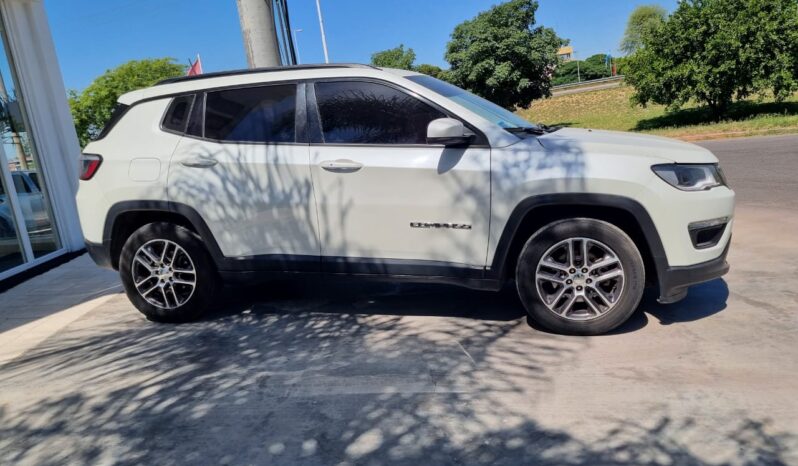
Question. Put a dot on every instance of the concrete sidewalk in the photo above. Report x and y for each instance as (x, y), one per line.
(36, 309)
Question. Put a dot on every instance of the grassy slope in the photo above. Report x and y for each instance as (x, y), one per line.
(610, 109)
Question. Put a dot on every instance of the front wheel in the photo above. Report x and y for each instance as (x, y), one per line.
(580, 276)
(167, 273)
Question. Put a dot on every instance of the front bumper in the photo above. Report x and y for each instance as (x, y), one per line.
(674, 281)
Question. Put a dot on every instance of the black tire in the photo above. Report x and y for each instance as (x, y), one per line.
(610, 235)
(207, 280)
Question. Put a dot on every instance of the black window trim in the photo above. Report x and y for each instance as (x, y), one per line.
(200, 99)
(314, 116)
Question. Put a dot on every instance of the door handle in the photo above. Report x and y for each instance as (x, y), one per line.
(341, 166)
(198, 162)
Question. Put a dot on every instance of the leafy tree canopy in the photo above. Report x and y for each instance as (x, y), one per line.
(643, 20)
(502, 56)
(432, 70)
(92, 108)
(397, 57)
(714, 51)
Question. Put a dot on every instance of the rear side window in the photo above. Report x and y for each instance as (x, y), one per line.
(252, 114)
(370, 113)
(177, 114)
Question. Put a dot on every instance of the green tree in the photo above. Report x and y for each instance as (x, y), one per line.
(643, 20)
(715, 51)
(92, 108)
(396, 57)
(502, 56)
(432, 70)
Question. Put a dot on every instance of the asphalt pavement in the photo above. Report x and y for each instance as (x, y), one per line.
(762, 170)
(376, 374)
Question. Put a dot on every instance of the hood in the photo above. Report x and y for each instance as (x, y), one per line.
(619, 143)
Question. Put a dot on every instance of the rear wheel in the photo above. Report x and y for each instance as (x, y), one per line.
(167, 273)
(580, 276)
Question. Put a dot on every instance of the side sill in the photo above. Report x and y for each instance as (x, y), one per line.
(253, 277)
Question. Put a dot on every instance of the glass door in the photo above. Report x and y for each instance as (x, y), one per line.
(27, 229)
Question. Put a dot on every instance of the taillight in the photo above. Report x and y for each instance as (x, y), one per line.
(89, 165)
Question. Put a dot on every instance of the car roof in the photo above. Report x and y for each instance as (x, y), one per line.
(219, 74)
(186, 84)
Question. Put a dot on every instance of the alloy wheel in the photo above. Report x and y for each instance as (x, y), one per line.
(164, 274)
(580, 279)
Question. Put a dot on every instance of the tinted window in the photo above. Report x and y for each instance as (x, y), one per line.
(371, 113)
(177, 114)
(253, 114)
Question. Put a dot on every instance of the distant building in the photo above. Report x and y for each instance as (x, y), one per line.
(566, 53)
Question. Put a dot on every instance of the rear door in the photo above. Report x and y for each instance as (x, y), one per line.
(389, 202)
(243, 165)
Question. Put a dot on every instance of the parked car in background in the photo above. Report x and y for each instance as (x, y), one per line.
(380, 173)
(31, 202)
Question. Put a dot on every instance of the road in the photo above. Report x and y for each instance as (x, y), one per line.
(586, 88)
(325, 373)
(763, 170)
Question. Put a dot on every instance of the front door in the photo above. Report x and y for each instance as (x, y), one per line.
(388, 202)
(247, 176)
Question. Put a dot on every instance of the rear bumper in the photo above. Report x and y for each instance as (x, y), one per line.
(100, 254)
(675, 281)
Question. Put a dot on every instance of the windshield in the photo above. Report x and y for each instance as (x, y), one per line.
(482, 107)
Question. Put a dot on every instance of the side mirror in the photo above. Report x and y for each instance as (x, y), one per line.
(449, 132)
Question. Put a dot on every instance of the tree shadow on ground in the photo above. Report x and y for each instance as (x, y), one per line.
(359, 376)
(739, 111)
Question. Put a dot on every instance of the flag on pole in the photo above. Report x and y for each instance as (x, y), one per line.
(195, 68)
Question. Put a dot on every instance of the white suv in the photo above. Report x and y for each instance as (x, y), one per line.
(356, 170)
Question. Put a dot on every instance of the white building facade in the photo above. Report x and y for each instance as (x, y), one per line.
(39, 151)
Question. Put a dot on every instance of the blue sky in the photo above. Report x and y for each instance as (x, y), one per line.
(91, 36)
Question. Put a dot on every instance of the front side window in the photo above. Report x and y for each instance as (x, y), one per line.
(355, 112)
(252, 114)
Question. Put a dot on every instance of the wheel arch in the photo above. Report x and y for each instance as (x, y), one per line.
(535, 212)
(126, 217)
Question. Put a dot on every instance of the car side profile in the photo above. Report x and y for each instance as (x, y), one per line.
(381, 173)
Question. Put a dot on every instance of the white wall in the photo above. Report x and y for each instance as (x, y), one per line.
(42, 87)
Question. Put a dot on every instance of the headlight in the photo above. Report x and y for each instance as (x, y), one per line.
(691, 177)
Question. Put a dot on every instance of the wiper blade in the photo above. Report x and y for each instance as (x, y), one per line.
(549, 129)
(527, 130)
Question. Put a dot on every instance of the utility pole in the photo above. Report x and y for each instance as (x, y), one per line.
(323, 36)
(296, 45)
(259, 32)
(578, 74)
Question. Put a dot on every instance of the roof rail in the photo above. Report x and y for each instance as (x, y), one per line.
(219, 74)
